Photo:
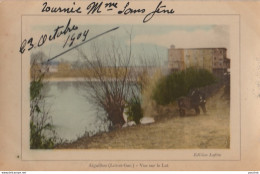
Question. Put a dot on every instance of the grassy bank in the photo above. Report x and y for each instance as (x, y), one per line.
(172, 132)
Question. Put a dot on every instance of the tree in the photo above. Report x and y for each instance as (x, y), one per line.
(40, 119)
(178, 84)
(111, 78)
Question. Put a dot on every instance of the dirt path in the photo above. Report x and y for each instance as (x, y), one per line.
(203, 131)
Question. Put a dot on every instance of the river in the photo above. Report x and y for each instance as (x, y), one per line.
(71, 111)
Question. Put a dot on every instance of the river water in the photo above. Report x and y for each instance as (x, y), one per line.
(71, 111)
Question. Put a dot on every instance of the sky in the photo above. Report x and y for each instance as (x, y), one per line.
(150, 41)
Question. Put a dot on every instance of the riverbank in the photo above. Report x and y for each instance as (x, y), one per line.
(172, 132)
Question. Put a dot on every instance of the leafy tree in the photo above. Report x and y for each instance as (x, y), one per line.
(178, 84)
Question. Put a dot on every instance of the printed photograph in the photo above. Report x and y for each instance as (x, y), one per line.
(130, 86)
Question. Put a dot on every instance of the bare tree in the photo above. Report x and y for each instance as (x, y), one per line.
(110, 78)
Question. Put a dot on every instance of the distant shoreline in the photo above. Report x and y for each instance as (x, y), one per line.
(74, 79)
(64, 79)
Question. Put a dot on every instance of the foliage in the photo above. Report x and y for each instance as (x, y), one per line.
(35, 89)
(178, 84)
(134, 110)
(38, 140)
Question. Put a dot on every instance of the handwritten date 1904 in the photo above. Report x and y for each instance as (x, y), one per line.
(58, 31)
(75, 37)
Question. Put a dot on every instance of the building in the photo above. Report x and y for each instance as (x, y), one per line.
(53, 67)
(213, 59)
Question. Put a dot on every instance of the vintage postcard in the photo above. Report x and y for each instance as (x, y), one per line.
(129, 85)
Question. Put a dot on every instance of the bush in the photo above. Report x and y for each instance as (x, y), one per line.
(40, 122)
(38, 140)
(134, 110)
(178, 84)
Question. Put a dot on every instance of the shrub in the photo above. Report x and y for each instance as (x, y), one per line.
(134, 110)
(38, 140)
(40, 119)
(178, 84)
